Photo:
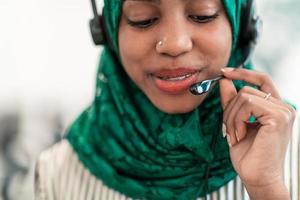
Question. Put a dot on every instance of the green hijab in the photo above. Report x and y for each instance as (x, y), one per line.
(137, 150)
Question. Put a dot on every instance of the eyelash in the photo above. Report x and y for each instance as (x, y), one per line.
(142, 24)
(204, 19)
(148, 22)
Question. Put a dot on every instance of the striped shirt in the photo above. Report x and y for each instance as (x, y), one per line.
(61, 176)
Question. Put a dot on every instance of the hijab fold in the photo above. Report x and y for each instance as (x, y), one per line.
(139, 151)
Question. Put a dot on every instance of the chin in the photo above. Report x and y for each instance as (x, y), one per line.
(178, 105)
(176, 110)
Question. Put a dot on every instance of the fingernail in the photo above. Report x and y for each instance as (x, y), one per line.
(224, 130)
(228, 140)
(237, 135)
(227, 69)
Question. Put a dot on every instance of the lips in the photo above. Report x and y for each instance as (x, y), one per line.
(175, 81)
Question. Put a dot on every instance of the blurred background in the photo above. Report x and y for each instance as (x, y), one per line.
(48, 65)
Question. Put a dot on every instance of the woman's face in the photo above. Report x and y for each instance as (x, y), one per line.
(195, 44)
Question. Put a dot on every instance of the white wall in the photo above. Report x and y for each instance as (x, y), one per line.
(47, 68)
(46, 53)
(279, 46)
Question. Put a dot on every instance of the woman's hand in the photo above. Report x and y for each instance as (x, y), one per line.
(257, 150)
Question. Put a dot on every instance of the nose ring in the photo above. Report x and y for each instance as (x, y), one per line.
(160, 43)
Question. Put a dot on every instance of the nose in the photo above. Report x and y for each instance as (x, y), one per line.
(174, 39)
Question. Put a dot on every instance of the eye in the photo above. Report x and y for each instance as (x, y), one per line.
(203, 18)
(143, 23)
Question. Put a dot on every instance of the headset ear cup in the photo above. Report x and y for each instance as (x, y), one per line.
(97, 31)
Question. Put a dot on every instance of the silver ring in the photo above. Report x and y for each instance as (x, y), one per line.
(267, 96)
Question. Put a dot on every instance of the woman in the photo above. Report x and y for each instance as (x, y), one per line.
(146, 136)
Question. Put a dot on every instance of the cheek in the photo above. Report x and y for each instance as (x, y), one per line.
(224, 42)
(134, 52)
(129, 51)
(223, 39)
(133, 45)
(216, 42)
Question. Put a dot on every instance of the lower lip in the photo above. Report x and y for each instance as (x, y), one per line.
(175, 87)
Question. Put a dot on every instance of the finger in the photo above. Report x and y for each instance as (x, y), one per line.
(229, 112)
(253, 105)
(241, 128)
(229, 116)
(237, 119)
(266, 112)
(263, 95)
(250, 90)
(227, 91)
(259, 79)
(241, 121)
(253, 91)
(237, 131)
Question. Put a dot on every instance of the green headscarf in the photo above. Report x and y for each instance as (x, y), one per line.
(134, 148)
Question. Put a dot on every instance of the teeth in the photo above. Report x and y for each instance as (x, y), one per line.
(179, 78)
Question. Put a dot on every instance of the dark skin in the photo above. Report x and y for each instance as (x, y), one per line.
(187, 42)
(257, 150)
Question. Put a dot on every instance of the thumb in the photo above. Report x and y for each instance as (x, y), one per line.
(227, 91)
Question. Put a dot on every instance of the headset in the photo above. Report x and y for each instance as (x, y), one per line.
(249, 31)
(97, 26)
